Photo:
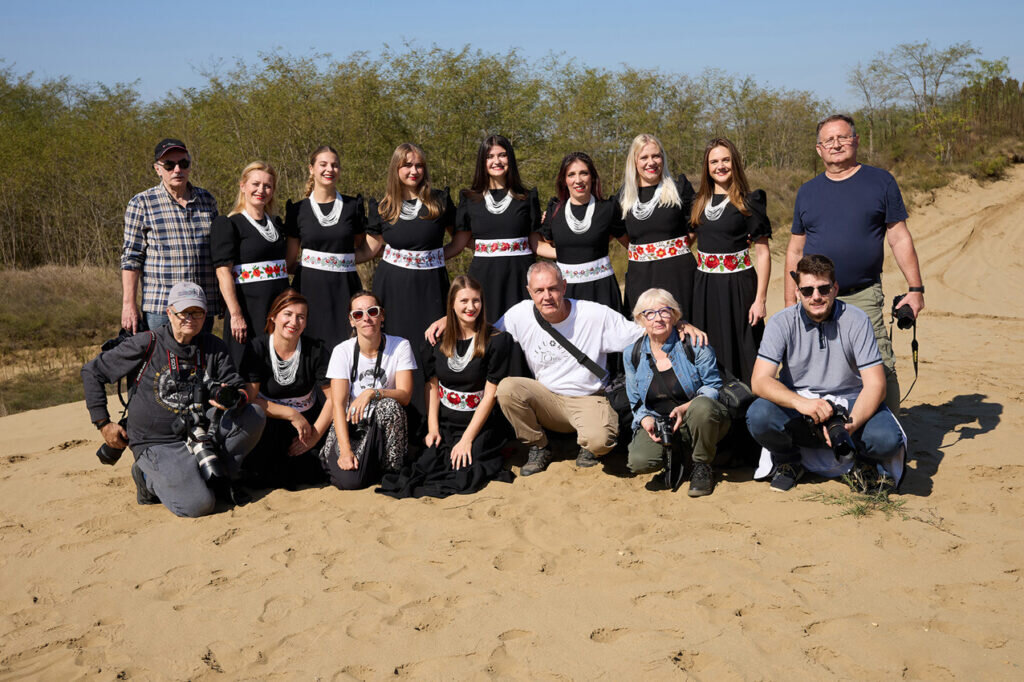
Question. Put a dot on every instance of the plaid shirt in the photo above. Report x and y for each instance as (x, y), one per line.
(170, 243)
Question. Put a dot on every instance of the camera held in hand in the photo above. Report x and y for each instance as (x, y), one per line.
(663, 430)
(195, 426)
(108, 455)
(904, 315)
(842, 442)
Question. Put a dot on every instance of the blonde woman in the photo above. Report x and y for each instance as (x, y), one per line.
(656, 211)
(250, 256)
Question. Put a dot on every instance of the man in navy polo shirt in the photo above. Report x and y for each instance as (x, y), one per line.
(846, 213)
(826, 348)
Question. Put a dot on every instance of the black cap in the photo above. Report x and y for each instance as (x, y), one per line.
(167, 145)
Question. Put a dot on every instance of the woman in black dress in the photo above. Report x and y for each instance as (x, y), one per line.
(500, 214)
(249, 254)
(329, 228)
(577, 227)
(656, 211)
(465, 433)
(731, 285)
(286, 375)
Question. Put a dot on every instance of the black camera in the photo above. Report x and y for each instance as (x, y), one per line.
(842, 442)
(108, 455)
(663, 430)
(904, 315)
(195, 426)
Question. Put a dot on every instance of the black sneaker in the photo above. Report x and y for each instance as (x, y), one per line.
(142, 492)
(586, 459)
(537, 460)
(786, 476)
(863, 478)
(702, 480)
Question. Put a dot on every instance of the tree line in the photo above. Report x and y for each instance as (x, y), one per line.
(72, 155)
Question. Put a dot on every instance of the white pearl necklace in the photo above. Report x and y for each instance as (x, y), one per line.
(458, 362)
(713, 213)
(284, 370)
(497, 207)
(411, 212)
(580, 226)
(268, 231)
(643, 210)
(332, 217)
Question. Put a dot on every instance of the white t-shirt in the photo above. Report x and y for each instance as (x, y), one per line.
(397, 356)
(593, 328)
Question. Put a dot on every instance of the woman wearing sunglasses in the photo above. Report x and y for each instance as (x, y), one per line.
(731, 284)
(673, 388)
(371, 383)
(249, 254)
(286, 374)
(465, 433)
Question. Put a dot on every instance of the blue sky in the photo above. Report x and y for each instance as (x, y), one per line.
(796, 45)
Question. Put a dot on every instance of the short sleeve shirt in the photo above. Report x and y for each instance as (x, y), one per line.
(398, 356)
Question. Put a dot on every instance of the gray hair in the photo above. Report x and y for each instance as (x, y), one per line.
(543, 265)
(837, 117)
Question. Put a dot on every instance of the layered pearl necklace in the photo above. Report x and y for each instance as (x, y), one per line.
(713, 213)
(497, 207)
(411, 212)
(459, 361)
(268, 231)
(332, 217)
(643, 210)
(284, 370)
(580, 226)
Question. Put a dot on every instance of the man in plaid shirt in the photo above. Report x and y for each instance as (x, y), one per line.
(167, 240)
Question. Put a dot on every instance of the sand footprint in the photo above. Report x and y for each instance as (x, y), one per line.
(277, 609)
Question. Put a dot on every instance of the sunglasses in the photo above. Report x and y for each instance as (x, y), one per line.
(186, 315)
(823, 290)
(169, 165)
(372, 311)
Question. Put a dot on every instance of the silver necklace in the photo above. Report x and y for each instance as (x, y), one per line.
(268, 231)
(411, 212)
(332, 217)
(458, 362)
(284, 370)
(580, 226)
(497, 207)
(713, 213)
(643, 210)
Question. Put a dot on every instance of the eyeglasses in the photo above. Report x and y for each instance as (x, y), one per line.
(169, 165)
(186, 315)
(836, 141)
(372, 311)
(652, 315)
(823, 290)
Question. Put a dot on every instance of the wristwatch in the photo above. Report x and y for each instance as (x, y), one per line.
(377, 395)
(916, 290)
(100, 423)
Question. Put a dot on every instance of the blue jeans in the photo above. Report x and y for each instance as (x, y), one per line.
(156, 320)
(783, 431)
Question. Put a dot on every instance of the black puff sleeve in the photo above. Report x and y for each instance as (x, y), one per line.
(224, 241)
(758, 224)
(255, 368)
(499, 348)
(444, 198)
(291, 219)
(549, 216)
(534, 205)
(463, 221)
(359, 219)
(686, 195)
(374, 224)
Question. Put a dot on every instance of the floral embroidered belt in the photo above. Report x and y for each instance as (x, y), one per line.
(724, 263)
(457, 400)
(301, 404)
(331, 262)
(667, 248)
(247, 273)
(414, 260)
(587, 272)
(489, 248)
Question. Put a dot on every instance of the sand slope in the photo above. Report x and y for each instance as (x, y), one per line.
(571, 574)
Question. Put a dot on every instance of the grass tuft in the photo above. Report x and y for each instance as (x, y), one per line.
(860, 505)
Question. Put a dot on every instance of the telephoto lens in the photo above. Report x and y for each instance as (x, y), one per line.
(108, 455)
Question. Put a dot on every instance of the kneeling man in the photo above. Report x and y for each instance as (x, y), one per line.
(180, 435)
(829, 357)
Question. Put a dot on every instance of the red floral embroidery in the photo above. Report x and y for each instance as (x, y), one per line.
(472, 401)
(731, 262)
(746, 260)
(711, 261)
(454, 398)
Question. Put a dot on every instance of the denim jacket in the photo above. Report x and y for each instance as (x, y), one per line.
(699, 379)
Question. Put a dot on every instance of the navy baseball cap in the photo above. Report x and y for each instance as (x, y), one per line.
(167, 145)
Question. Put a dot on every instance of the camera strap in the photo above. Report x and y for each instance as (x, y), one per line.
(913, 354)
(568, 345)
(376, 367)
(133, 383)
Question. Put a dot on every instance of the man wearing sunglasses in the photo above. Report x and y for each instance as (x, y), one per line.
(827, 349)
(847, 213)
(166, 240)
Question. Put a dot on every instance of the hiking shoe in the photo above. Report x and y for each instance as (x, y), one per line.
(537, 460)
(142, 492)
(863, 478)
(702, 480)
(786, 476)
(586, 459)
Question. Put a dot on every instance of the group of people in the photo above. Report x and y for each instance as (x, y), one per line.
(417, 384)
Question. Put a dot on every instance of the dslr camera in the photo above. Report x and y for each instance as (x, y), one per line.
(196, 427)
(663, 430)
(843, 446)
(903, 315)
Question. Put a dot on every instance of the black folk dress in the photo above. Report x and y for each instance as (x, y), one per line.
(725, 285)
(502, 252)
(576, 253)
(321, 277)
(431, 474)
(258, 267)
(659, 256)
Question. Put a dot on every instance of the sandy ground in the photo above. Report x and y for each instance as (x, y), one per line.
(572, 574)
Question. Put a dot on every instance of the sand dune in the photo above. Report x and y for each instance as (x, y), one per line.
(570, 574)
